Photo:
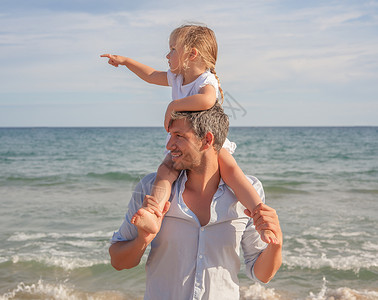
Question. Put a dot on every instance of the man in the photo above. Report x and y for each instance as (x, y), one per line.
(195, 255)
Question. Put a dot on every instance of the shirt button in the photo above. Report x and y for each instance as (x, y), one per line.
(202, 229)
(200, 256)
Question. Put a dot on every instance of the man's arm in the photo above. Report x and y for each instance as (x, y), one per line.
(270, 260)
(127, 254)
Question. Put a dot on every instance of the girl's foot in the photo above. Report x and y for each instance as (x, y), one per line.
(146, 221)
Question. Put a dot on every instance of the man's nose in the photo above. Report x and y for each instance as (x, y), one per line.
(167, 56)
(170, 143)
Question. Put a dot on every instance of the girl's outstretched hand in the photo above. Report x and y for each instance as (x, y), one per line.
(115, 60)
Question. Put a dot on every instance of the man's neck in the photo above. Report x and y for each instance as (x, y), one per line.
(204, 179)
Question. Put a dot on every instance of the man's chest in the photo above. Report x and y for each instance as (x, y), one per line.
(200, 206)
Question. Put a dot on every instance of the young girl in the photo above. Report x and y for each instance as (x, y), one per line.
(195, 86)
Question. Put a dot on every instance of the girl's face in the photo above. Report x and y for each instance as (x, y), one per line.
(173, 58)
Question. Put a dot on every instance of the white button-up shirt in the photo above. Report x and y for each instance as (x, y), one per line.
(190, 261)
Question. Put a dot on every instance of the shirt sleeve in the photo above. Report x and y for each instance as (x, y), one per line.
(252, 244)
(128, 231)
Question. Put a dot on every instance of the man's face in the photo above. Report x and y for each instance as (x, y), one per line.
(184, 146)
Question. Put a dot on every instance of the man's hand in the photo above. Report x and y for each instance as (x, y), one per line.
(270, 260)
(127, 254)
(266, 218)
(151, 209)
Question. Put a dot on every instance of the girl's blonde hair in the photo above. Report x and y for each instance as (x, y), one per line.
(189, 36)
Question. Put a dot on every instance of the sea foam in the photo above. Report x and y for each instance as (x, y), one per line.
(342, 293)
(68, 251)
(258, 291)
(57, 291)
(22, 236)
(353, 262)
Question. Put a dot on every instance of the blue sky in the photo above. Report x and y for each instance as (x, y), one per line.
(282, 63)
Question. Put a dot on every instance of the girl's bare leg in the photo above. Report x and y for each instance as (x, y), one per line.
(161, 190)
(246, 194)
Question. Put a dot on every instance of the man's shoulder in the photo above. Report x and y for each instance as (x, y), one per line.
(257, 185)
(254, 180)
(149, 177)
(152, 176)
(146, 182)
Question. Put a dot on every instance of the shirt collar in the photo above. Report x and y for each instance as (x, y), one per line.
(182, 178)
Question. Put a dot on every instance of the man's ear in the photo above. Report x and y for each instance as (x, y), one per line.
(208, 140)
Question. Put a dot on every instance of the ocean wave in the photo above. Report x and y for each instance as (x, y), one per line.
(364, 191)
(116, 176)
(83, 244)
(342, 293)
(66, 261)
(269, 189)
(22, 236)
(369, 246)
(17, 154)
(328, 234)
(68, 251)
(42, 181)
(312, 261)
(359, 173)
(292, 174)
(346, 251)
(288, 185)
(5, 160)
(257, 291)
(69, 179)
(37, 178)
(57, 291)
(65, 291)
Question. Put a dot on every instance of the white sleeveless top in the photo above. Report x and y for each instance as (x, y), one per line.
(181, 91)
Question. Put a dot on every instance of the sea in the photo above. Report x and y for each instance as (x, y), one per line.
(64, 191)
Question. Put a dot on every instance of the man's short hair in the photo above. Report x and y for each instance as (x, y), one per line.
(213, 120)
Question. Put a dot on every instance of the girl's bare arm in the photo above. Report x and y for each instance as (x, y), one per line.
(144, 72)
(205, 99)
